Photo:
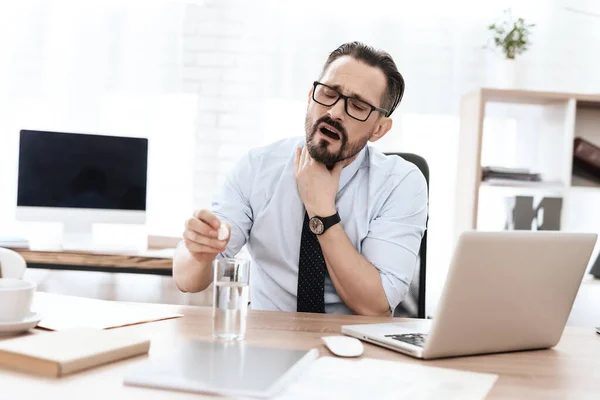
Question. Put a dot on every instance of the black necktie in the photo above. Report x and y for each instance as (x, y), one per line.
(311, 273)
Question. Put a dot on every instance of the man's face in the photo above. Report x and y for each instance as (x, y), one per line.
(331, 134)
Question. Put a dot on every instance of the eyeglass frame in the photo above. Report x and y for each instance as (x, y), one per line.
(342, 96)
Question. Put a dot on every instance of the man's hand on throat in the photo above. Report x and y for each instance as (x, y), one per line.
(317, 184)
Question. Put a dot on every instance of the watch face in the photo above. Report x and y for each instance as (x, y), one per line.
(316, 225)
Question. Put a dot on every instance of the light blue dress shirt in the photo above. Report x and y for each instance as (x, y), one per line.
(382, 201)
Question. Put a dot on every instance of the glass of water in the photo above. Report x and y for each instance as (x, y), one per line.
(230, 298)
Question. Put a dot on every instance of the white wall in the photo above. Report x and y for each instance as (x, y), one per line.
(207, 80)
(254, 62)
(99, 67)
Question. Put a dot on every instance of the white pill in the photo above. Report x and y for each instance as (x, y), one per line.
(223, 232)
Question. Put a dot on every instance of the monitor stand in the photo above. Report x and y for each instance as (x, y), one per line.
(77, 236)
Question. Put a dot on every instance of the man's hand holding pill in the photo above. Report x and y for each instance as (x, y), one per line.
(205, 236)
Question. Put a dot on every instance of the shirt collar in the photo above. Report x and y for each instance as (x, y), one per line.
(350, 170)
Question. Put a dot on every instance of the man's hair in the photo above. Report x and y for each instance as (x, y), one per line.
(375, 58)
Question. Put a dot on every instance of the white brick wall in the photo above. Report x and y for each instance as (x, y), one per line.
(239, 54)
(227, 78)
(252, 64)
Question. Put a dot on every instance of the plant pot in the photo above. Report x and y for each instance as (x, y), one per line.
(504, 74)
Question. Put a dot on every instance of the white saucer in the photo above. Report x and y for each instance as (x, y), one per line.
(14, 327)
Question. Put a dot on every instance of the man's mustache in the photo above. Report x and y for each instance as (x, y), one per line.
(333, 123)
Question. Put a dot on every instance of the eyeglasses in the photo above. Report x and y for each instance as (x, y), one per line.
(355, 108)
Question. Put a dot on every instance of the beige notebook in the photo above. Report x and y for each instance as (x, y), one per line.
(59, 353)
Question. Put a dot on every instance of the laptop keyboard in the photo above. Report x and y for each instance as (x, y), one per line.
(417, 339)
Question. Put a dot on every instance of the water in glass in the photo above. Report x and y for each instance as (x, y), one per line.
(230, 309)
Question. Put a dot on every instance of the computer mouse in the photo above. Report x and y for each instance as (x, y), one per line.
(343, 346)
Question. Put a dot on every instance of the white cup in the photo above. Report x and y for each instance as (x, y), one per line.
(16, 297)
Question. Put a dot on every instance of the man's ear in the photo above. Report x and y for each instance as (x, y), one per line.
(310, 92)
(383, 126)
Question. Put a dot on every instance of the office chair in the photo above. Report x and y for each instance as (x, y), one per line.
(413, 305)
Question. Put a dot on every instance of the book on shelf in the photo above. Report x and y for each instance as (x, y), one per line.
(526, 184)
(502, 173)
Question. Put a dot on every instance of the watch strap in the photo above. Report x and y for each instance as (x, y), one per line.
(330, 221)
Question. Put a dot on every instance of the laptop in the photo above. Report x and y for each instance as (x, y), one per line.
(505, 291)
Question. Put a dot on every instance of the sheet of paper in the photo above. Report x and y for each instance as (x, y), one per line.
(369, 378)
(67, 312)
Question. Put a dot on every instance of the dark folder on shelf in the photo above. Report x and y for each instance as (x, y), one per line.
(586, 159)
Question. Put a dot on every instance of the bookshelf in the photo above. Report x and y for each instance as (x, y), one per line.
(525, 129)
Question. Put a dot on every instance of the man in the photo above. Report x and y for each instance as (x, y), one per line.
(332, 225)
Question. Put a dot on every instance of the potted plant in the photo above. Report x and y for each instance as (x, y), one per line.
(512, 37)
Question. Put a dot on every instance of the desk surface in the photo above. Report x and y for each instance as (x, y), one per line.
(568, 371)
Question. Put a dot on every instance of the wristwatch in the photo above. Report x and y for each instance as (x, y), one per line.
(318, 225)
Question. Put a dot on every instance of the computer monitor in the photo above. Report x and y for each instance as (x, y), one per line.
(81, 179)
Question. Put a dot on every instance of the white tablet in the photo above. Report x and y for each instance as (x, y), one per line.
(231, 369)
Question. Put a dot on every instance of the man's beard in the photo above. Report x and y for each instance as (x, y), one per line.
(320, 151)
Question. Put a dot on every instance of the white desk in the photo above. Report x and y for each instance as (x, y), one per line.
(569, 371)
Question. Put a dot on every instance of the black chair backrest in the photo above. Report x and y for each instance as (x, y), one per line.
(414, 304)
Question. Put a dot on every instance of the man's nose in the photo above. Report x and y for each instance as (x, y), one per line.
(337, 111)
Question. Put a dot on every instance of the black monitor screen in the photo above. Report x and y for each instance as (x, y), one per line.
(82, 171)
